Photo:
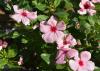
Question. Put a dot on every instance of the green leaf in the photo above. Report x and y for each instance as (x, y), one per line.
(68, 5)
(97, 7)
(42, 17)
(85, 25)
(15, 34)
(46, 57)
(57, 2)
(41, 6)
(63, 15)
(59, 66)
(11, 53)
(91, 20)
(13, 65)
(97, 69)
(83, 17)
(24, 40)
(34, 2)
(8, 7)
(3, 62)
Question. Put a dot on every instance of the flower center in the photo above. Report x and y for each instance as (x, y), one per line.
(53, 29)
(81, 63)
(66, 42)
(24, 14)
(87, 5)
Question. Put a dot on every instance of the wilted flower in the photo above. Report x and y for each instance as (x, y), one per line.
(23, 15)
(52, 31)
(83, 63)
(86, 6)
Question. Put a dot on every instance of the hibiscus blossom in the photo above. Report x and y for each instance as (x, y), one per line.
(52, 31)
(83, 63)
(23, 16)
(86, 6)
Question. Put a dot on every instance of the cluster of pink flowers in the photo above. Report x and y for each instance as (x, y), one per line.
(23, 16)
(3, 44)
(87, 6)
(53, 32)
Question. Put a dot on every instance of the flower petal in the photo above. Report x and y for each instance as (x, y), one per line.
(16, 17)
(85, 55)
(72, 53)
(49, 37)
(90, 65)
(61, 57)
(32, 15)
(84, 1)
(0, 48)
(15, 7)
(16, 10)
(73, 65)
(61, 25)
(44, 28)
(59, 43)
(96, 1)
(91, 12)
(25, 21)
(82, 11)
(82, 69)
(52, 21)
(73, 42)
(60, 35)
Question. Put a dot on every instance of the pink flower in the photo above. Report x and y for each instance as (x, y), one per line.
(83, 63)
(60, 59)
(64, 50)
(3, 44)
(66, 42)
(72, 53)
(23, 16)
(65, 53)
(20, 62)
(86, 6)
(96, 1)
(52, 31)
